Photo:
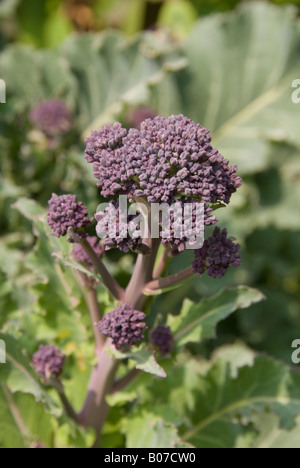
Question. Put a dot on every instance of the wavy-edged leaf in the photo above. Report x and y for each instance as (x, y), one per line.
(144, 359)
(32, 76)
(113, 73)
(24, 422)
(271, 435)
(148, 430)
(197, 322)
(30, 209)
(55, 290)
(224, 405)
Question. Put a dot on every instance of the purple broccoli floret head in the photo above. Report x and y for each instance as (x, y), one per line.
(48, 361)
(165, 159)
(66, 212)
(123, 325)
(162, 338)
(51, 117)
(217, 254)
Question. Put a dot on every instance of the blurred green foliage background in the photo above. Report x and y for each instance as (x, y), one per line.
(46, 23)
(105, 59)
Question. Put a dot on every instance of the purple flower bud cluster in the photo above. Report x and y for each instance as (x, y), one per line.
(65, 212)
(51, 117)
(166, 159)
(124, 326)
(162, 338)
(48, 361)
(217, 254)
(82, 257)
(105, 151)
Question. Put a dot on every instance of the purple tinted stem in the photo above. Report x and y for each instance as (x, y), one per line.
(143, 273)
(95, 409)
(111, 284)
(161, 266)
(57, 384)
(168, 281)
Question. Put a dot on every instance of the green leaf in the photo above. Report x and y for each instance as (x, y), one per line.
(18, 375)
(148, 430)
(271, 435)
(10, 434)
(68, 261)
(30, 209)
(198, 321)
(237, 355)
(179, 16)
(113, 73)
(143, 358)
(239, 81)
(55, 289)
(224, 405)
(23, 421)
(50, 78)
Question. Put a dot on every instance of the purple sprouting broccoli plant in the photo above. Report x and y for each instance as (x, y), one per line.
(166, 161)
(52, 118)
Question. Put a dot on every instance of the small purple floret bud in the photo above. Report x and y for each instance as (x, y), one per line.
(217, 254)
(65, 212)
(124, 326)
(51, 117)
(162, 338)
(48, 362)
